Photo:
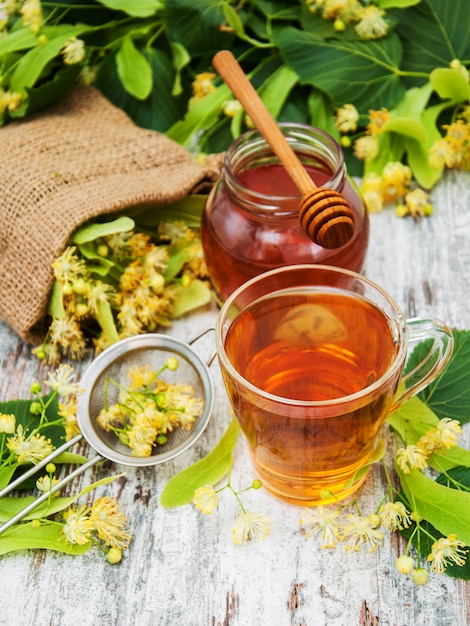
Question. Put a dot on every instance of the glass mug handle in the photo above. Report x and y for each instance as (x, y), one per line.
(433, 362)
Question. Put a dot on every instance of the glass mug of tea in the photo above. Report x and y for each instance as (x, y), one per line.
(313, 360)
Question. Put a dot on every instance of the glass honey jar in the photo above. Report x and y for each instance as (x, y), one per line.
(250, 223)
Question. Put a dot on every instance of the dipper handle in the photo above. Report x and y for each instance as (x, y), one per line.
(231, 72)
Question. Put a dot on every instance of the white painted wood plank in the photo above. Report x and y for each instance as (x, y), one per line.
(182, 568)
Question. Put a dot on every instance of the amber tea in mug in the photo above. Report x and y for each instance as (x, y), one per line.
(312, 357)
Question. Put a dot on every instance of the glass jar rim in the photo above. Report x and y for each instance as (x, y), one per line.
(319, 136)
(334, 403)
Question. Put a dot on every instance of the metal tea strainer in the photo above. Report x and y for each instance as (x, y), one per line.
(154, 350)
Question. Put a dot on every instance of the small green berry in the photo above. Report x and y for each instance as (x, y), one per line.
(36, 523)
(40, 353)
(172, 363)
(35, 408)
(256, 484)
(339, 26)
(374, 519)
(114, 555)
(161, 439)
(420, 576)
(102, 250)
(35, 388)
(50, 468)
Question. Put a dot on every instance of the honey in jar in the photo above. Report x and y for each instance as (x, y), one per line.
(250, 223)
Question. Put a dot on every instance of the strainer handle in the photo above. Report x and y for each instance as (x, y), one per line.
(200, 334)
(45, 496)
(35, 468)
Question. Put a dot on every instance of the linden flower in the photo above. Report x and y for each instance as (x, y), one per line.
(203, 85)
(9, 100)
(143, 376)
(411, 457)
(68, 411)
(395, 516)
(377, 120)
(361, 531)
(445, 435)
(141, 437)
(396, 180)
(78, 527)
(417, 204)
(372, 192)
(366, 148)
(73, 51)
(251, 527)
(372, 25)
(452, 150)
(323, 521)
(30, 449)
(61, 381)
(68, 267)
(441, 154)
(445, 551)
(206, 499)
(32, 15)
(346, 10)
(231, 108)
(110, 523)
(346, 118)
(46, 483)
(7, 423)
(448, 431)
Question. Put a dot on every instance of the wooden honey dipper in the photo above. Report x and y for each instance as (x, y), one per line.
(324, 214)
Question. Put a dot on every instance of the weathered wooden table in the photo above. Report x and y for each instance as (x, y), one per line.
(182, 568)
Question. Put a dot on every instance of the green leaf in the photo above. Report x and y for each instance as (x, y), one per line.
(390, 4)
(433, 33)
(94, 230)
(196, 24)
(181, 59)
(338, 67)
(21, 410)
(190, 297)
(176, 262)
(101, 265)
(448, 510)
(202, 116)
(162, 108)
(106, 321)
(6, 474)
(15, 41)
(56, 301)
(134, 70)
(449, 395)
(11, 505)
(426, 175)
(207, 471)
(32, 63)
(413, 420)
(137, 8)
(188, 210)
(409, 126)
(275, 91)
(234, 21)
(450, 83)
(48, 536)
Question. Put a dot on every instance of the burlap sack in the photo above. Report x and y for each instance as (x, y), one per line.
(80, 159)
